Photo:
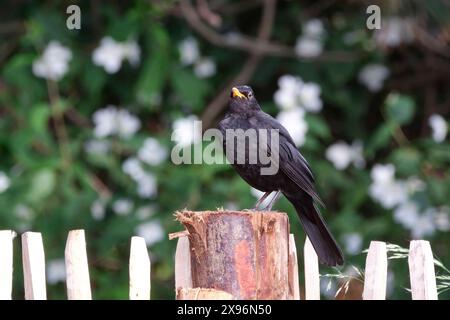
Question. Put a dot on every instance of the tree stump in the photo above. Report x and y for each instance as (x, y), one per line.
(244, 253)
(202, 294)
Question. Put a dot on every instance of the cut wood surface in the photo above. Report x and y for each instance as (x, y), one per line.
(244, 253)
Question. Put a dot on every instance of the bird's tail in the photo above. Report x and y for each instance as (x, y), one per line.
(323, 242)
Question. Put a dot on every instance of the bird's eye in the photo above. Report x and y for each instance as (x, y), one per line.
(249, 95)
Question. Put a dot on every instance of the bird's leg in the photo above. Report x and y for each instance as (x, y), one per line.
(272, 202)
(264, 196)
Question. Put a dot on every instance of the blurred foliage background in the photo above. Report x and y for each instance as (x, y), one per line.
(87, 116)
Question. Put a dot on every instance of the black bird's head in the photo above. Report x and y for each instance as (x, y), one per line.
(242, 100)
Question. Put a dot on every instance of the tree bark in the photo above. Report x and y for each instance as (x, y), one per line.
(244, 253)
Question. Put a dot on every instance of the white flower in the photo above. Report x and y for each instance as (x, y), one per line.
(98, 147)
(122, 207)
(339, 154)
(389, 195)
(54, 62)
(127, 124)
(309, 44)
(439, 127)
(309, 96)
(4, 182)
(394, 32)
(342, 155)
(205, 68)
(56, 271)
(147, 186)
(258, 194)
(308, 47)
(294, 93)
(145, 212)
(286, 97)
(146, 181)
(98, 209)
(313, 28)
(424, 226)
(133, 168)
(294, 122)
(442, 219)
(112, 121)
(111, 53)
(152, 152)
(407, 214)
(385, 189)
(152, 232)
(185, 131)
(189, 52)
(353, 243)
(373, 76)
(108, 55)
(383, 173)
(414, 184)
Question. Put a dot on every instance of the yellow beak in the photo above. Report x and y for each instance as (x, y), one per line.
(237, 93)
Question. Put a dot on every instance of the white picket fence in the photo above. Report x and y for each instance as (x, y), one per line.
(420, 260)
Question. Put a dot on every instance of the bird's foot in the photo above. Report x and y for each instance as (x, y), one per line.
(273, 201)
(260, 201)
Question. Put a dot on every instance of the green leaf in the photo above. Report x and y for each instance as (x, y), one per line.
(380, 138)
(400, 108)
(318, 126)
(191, 89)
(39, 116)
(152, 77)
(407, 161)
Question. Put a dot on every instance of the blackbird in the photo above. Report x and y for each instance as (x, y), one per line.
(293, 178)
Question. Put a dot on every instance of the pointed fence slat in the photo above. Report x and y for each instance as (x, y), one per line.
(183, 276)
(77, 270)
(139, 269)
(312, 277)
(421, 271)
(33, 258)
(6, 263)
(375, 272)
(294, 286)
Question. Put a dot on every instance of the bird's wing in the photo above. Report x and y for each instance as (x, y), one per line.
(291, 162)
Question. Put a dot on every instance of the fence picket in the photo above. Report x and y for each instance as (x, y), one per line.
(375, 272)
(6, 263)
(294, 286)
(421, 271)
(33, 258)
(77, 270)
(312, 277)
(183, 277)
(139, 269)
